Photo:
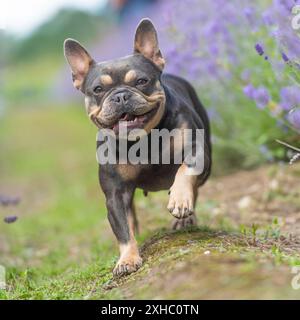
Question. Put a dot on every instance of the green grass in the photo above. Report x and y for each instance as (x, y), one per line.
(48, 157)
(61, 246)
(25, 84)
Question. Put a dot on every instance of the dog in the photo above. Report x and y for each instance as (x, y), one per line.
(133, 90)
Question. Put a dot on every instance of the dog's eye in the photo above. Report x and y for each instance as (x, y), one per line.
(97, 90)
(141, 82)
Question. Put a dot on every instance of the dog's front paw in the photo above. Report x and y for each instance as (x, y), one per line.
(181, 202)
(179, 224)
(127, 265)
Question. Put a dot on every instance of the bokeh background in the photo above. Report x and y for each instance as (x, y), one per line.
(214, 45)
(241, 56)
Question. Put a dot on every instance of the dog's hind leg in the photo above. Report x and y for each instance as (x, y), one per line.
(133, 219)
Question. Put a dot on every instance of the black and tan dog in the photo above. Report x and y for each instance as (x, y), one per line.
(134, 90)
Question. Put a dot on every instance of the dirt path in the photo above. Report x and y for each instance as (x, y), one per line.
(246, 245)
(258, 197)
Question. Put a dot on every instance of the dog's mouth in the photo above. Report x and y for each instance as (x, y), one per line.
(146, 116)
(129, 121)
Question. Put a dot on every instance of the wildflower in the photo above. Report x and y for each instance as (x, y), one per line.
(268, 18)
(261, 97)
(285, 57)
(6, 200)
(294, 118)
(259, 49)
(250, 14)
(249, 91)
(10, 219)
(245, 75)
(290, 97)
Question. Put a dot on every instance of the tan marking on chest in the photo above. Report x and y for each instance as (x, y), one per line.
(128, 172)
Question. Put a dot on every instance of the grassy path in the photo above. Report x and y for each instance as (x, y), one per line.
(61, 246)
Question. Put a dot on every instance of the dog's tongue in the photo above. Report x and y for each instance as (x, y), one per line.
(123, 121)
(127, 117)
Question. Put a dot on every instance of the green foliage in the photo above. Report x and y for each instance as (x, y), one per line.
(30, 83)
(48, 38)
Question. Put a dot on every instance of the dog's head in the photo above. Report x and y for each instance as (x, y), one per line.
(124, 92)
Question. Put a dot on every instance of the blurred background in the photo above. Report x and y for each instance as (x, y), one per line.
(213, 46)
(241, 56)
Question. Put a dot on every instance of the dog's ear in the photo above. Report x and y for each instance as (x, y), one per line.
(146, 43)
(79, 60)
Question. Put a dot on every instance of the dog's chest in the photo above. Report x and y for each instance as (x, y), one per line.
(148, 177)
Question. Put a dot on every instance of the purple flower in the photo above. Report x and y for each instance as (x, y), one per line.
(290, 42)
(294, 118)
(249, 91)
(285, 57)
(268, 18)
(261, 97)
(10, 219)
(259, 49)
(290, 97)
(250, 14)
(6, 200)
(245, 75)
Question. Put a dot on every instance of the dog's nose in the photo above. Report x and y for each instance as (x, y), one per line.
(121, 97)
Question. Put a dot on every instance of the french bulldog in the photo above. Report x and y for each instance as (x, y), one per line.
(133, 92)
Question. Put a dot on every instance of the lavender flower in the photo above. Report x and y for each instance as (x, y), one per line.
(268, 18)
(245, 75)
(294, 118)
(251, 16)
(6, 200)
(10, 219)
(285, 57)
(261, 97)
(249, 91)
(290, 97)
(259, 49)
